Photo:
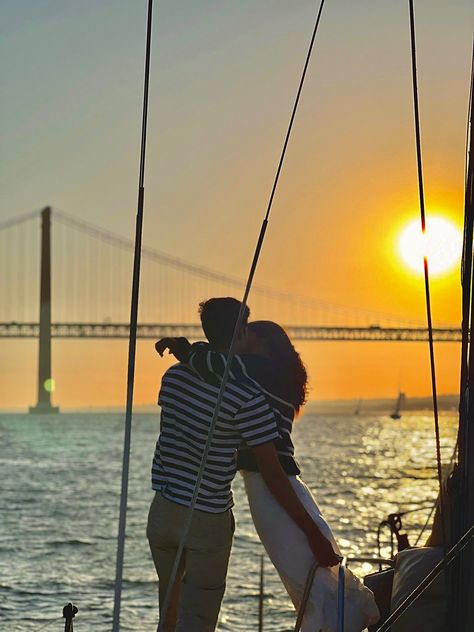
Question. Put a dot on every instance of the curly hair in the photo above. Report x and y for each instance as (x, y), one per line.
(285, 359)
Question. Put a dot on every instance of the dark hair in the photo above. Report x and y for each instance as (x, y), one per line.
(219, 317)
(285, 360)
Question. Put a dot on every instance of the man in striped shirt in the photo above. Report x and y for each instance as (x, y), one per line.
(187, 406)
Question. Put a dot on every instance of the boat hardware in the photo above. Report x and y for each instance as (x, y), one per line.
(429, 579)
(394, 523)
(340, 595)
(69, 612)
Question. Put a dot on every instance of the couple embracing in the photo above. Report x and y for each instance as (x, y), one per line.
(265, 391)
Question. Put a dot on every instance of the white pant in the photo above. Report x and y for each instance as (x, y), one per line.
(289, 551)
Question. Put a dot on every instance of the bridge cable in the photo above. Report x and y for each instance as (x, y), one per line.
(238, 324)
(426, 274)
(133, 335)
(271, 293)
(19, 220)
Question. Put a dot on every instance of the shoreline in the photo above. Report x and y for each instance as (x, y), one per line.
(375, 406)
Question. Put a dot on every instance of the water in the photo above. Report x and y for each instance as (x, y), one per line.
(59, 501)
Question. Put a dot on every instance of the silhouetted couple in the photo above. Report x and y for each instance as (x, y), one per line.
(266, 389)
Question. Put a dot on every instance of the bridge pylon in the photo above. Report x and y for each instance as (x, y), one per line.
(45, 380)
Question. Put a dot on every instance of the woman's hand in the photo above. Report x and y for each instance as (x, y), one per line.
(279, 485)
(322, 549)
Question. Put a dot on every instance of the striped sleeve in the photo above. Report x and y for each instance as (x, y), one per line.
(256, 422)
(210, 364)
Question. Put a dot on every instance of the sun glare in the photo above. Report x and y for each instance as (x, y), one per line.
(442, 244)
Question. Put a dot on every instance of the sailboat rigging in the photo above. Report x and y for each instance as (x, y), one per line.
(133, 332)
(238, 324)
(462, 580)
(457, 563)
(426, 274)
(464, 529)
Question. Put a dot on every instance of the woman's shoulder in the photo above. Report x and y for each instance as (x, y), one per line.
(259, 368)
(269, 377)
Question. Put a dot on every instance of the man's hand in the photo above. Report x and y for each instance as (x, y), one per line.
(163, 344)
(179, 347)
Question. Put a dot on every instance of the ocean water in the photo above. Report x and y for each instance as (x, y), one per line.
(59, 501)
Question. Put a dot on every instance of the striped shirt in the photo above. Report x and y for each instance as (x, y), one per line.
(187, 407)
(263, 375)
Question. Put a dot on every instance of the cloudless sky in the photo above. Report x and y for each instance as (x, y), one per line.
(223, 80)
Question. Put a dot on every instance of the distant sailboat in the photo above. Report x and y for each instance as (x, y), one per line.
(358, 407)
(398, 406)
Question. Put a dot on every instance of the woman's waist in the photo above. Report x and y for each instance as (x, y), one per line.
(246, 461)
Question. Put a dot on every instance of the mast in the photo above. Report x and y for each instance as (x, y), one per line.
(463, 575)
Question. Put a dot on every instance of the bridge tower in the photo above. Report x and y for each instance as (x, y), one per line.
(45, 380)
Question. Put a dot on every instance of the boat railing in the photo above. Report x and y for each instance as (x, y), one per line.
(340, 595)
(414, 595)
(370, 560)
(343, 564)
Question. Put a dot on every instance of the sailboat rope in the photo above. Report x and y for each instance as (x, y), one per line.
(428, 519)
(465, 536)
(306, 593)
(231, 353)
(132, 336)
(235, 335)
(48, 623)
(426, 274)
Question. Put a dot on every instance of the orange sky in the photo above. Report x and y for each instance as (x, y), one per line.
(89, 375)
(222, 87)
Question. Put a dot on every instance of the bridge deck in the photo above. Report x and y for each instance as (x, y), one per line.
(194, 332)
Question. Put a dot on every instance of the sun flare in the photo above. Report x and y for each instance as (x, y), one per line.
(442, 244)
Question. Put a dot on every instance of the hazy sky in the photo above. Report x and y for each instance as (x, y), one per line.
(223, 80)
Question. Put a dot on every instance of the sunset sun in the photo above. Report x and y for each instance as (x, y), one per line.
(442, 244)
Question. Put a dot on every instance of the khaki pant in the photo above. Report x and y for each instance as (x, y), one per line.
(198, 592)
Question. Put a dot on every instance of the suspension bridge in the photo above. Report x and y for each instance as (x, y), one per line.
(90, 282)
